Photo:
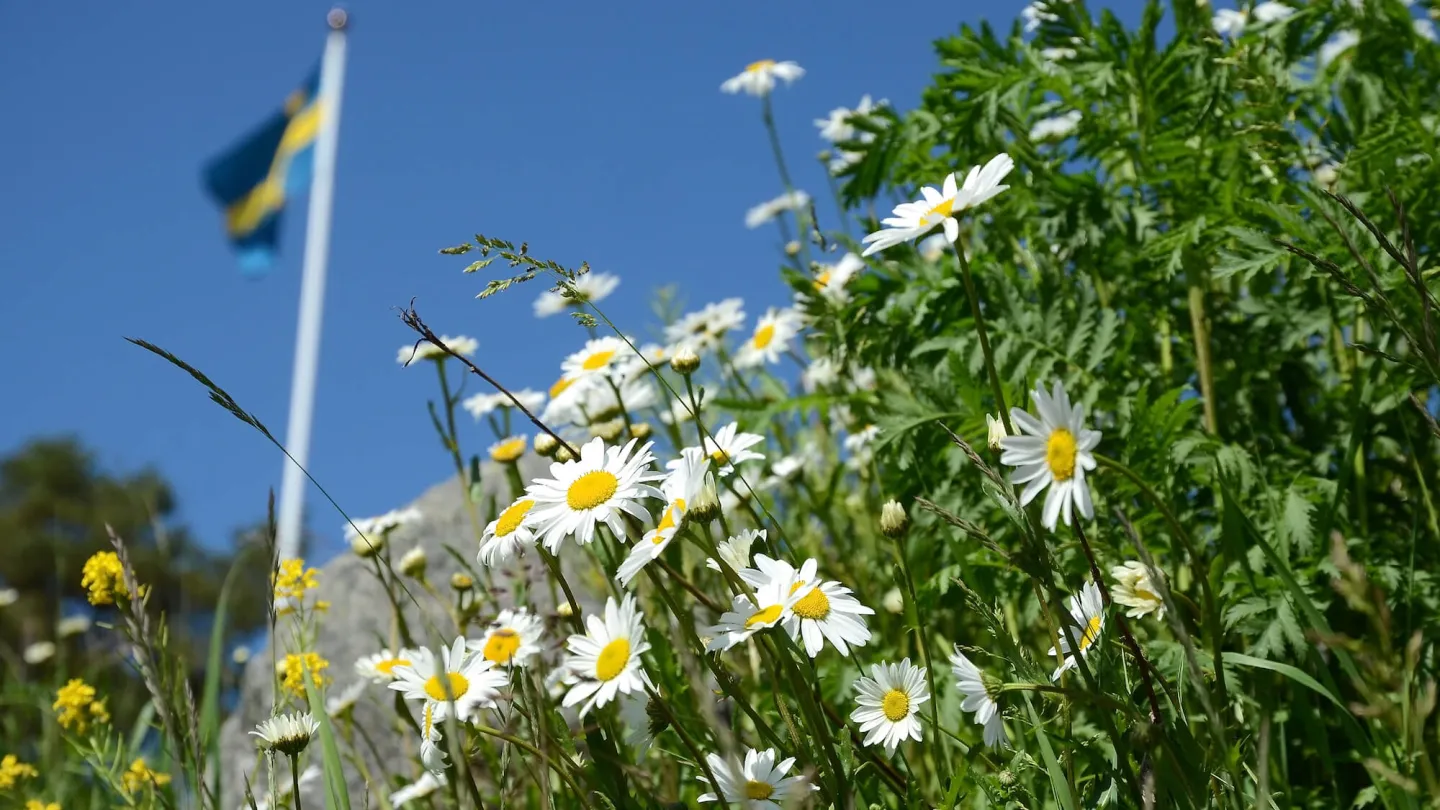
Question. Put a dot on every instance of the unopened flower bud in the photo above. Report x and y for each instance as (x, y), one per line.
(824, 156)
(609, 430)
(241, 655)
(659, 718)
(641, 430)
(563, 454)
(893, 601)
(413, 563)
(565, 610)
(893, 522)
(685, 361)
(461, 581)
(366, 546)
(1007, 778)
(545, 445)
(792, 248)
(995, 431)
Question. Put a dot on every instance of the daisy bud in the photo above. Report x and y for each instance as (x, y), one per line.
(1006, 778)
(792, 248)
(366, 546)
(563, 454)
(685, 361)
(545, 445)
(461, 582)
(707, 504)
(893, 601)
(893, 522)
(659, 720)
(824, 156)
(240, 655)
(565, 610)
(609, 430)
(995, 431)
(413, 563)
(641, 430)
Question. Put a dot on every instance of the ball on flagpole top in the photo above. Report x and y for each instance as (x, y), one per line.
(337, 19)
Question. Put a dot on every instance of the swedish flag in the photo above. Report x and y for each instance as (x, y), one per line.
(253, 179)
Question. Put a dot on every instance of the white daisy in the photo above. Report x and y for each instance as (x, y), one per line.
(374, 531)
(836, 126)
(599, 487)
(681, 485)
(771, 606)
(827, 610)
(795, 200)
(1271, 11)
(1087, 614)
(605, 661)
(428, 783)
(759, 783)
(425, 350)
(509, 449)
(512, 638)
(472, 680)
(598, 355)
(1338, 44)
(736, 551)
(380, 667)
(758, 79)
(976, 687)
(432, 754)
(287, 733)
(706, 328)
(1228, 22)
(346, 699)
(1135, 589)
(822, 372)
(590, 287)
(915, 219)
(771, 338)
(1035, 14)
(890, 703)
(510, 532)
(994, 432)
(1055, 127)
(1053, 451)
(860, 445)
(728, 447)
(481, 405)
(635, 716)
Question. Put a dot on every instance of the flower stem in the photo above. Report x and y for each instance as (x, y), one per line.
(1140, 659)
(295, 781)
(984, 335)
(913, 613)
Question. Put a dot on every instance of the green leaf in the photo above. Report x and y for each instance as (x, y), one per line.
(1288, 671)
(337, 795)
(1058, 782)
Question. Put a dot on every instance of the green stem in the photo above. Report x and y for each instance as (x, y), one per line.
(700, 761)
(550, 763)
(913, 612)
(984, 336)
(295, 781)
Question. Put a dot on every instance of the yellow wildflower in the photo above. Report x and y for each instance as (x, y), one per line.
(139, 776)
(36, 804)
(78, 707)
(295, 667)
(104, 578)
(13, 770)
(294, 579)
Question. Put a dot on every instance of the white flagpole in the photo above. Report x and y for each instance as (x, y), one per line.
(312, 290)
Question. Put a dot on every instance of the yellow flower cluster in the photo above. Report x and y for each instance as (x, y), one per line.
(140, 776)
(78, 707)
(104, 577)
(292, 581)
(12, 770)
(36, 804)
(295, 666)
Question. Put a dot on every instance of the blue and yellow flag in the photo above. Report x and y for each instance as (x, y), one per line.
(253, 179)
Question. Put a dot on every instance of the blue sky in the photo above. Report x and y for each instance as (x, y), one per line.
(595, 132)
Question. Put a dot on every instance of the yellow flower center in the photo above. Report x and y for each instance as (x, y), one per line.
(756, 67)
(387, 667)
(758, 790)
(512, 516)
(509, 450)
(501, 645)
(763, 336)
(592, 489)
(559, 387)
(822, 279)
(1060, 454)
(720, 457)
(670, 519)
(940, 211)
(612, 660)
(598, 360)
(814, 605)
(895, 705)
(459, 685)
(1092, 632)
(766, 616)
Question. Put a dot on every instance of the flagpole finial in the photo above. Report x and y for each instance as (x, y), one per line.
(337, 19)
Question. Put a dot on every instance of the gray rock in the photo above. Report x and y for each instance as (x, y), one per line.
(359, 622)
